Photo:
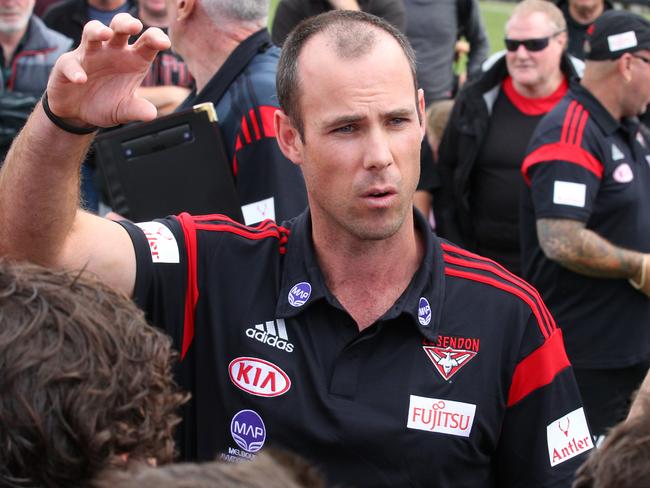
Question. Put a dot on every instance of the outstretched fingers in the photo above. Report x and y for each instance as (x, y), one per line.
(94, 35)
(150, 42)
(123, 26)
(69, 67)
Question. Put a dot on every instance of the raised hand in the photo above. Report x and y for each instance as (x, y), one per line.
(95, 84)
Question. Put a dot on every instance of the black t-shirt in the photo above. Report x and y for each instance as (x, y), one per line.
(496, 179)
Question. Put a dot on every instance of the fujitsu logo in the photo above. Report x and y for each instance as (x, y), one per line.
(271, 333)
(443, 416)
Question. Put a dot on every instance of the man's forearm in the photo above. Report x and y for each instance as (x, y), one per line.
(39, 190)
(581, 250)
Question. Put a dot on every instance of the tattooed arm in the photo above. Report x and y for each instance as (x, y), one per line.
(583, 251)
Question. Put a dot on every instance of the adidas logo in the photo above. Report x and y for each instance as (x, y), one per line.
(617, 154)
(271, 333)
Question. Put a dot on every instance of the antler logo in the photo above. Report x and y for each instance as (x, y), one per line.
(568, 424)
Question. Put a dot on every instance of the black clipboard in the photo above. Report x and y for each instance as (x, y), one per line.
(173, 164)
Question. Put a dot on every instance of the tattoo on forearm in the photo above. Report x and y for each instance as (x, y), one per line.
(581, 250)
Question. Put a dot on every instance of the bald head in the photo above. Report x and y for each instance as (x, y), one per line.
(349, 34)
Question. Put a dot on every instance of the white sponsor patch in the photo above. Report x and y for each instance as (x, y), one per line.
(567, 437)
(617, 154)
(257, 211)
(162, 243)
(443, 416)
(568, 193)
(623, 173)
(625, 40)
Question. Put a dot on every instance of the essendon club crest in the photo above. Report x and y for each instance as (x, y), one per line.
(447, 360)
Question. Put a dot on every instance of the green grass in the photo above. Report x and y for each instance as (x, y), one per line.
(495, 15)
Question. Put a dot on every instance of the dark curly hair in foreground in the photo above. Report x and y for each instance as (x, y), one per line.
(85, 383)
(271, 468)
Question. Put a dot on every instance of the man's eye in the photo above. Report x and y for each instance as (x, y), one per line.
(346, 129)
(398, 121)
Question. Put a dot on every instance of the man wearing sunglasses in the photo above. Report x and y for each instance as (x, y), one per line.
(586, 216)
(492, 121)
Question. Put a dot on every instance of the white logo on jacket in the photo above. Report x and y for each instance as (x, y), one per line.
(567, 437)
(162, 243)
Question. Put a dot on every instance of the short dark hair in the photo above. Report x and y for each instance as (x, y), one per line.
(270, 469)
(622, 459)
(354, 33)
(84, 380)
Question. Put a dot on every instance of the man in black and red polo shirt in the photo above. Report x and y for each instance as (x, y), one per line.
(350, 334)
(586, 217)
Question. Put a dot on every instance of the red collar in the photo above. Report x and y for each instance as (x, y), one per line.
(534, 106)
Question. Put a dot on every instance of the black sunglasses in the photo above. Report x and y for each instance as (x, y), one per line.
(532, 45)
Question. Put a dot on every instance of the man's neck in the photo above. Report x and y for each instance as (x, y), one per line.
(207, 53)
(586, 15)
(541, 90)
(9, 42)
(106, 5)
(608, 94)
(368, 276)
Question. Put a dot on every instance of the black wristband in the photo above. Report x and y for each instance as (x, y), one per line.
(59, 122)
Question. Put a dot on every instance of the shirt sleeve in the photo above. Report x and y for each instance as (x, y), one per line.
(544, 435)
(161, 285)
(564, 178)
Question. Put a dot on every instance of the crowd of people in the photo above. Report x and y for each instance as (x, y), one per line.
(370, 322)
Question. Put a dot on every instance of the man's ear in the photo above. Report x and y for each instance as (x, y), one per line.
(422, 111)
(563, 39)
(624, 66)
(288, 137)
(184, 9)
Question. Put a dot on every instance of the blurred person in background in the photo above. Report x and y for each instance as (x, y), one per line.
(289, 13)
(586, 217)
(29, 50)
(579, 15)
(485, 142)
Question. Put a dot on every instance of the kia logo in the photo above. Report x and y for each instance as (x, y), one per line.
(258, 377)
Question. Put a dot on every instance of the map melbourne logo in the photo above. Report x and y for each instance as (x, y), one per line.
(271, 333)
(442, 416)
(424, 312)
(248, 430)
(299, 294)
(258, 377)
(567, 437)
(449, 354)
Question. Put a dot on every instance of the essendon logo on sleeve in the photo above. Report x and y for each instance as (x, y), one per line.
(449, 354)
